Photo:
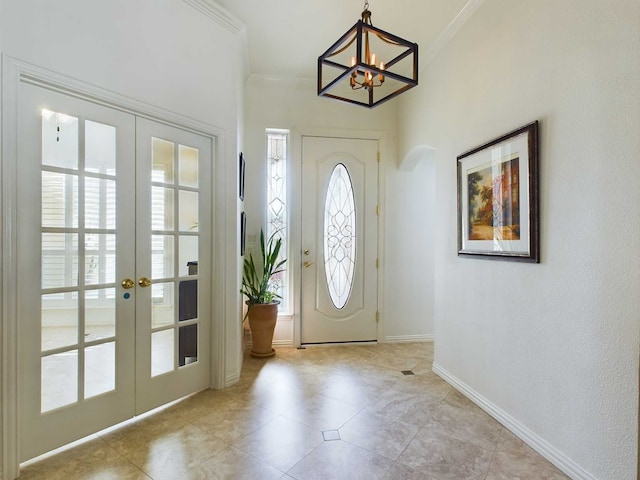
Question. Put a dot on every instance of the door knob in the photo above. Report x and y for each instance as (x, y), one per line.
(307, 264)
(144, 282)
(127, 283)
(307, 252)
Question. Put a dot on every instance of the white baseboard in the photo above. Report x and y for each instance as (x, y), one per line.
(535, 441)
(391, 339)
(276, 343)
(231, 380)
(409, 338)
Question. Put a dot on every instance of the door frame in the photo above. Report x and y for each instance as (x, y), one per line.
(295, 191)
(14, 72)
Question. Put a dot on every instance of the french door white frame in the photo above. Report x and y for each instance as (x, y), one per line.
(295, 193)
(15, 72)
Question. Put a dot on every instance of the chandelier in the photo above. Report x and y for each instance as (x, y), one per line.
(367, 66)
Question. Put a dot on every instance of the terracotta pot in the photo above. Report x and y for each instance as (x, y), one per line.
(262, 322)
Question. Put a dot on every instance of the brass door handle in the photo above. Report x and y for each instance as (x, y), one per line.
(307, 264)
(307, 252)
(144, 282)
(127, 283)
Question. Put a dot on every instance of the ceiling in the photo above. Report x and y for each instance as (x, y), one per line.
(285, 37)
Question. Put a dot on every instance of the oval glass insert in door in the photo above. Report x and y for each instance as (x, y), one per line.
(339, 236)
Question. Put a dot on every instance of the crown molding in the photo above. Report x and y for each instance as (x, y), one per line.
(450, 31)
(226, 19)
(218, 13)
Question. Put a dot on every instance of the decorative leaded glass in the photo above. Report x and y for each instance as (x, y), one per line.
(277, 216)
(339, 236)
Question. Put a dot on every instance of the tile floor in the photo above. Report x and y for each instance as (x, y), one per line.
(329, 413)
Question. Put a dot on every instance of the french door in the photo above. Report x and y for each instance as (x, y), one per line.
(113, 222)
(339, 240)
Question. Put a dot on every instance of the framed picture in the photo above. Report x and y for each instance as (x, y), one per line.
(498, 198)
(241, 168)
(243, 233)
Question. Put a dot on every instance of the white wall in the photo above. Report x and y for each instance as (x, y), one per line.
(552, 346)
(405, 256)
(161, 52)
(410, 223)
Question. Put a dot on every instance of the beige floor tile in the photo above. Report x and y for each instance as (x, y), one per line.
(281, 443)
(66, 462)
(456, 399)
(232, 464)
(118, 469)
(379, 434)
(235, 420)
(428, 387)
(140, 432)
(515, 460)
(399, 471)
(507, 466)
(278, 387)
(410, 405)
(72, 463)
(443, 457)
(357, 391)
(322, 412)
(202, 403)
(339, 460)
(269, 426)
(465, 425)
(174, 455)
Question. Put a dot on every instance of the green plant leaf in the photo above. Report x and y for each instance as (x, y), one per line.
(256, 277)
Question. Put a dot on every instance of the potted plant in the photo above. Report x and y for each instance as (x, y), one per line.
(262, 301)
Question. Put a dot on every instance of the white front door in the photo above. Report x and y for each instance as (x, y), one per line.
(339, 240)
(111, 323)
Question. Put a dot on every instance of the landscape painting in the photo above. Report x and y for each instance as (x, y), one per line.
(498, 198)
(494, 203)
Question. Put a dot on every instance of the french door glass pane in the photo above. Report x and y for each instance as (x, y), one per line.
(59, 320)
(59, 140)
(162, 352)
(59, 200)
(100, 252)
(162, 256)
(59, 383)
(188, 253)
(188, 344)
(59, 260)
(188, 300)
(100, 314)
(162, 153)
(163, 304)
(100, 203)
(99, 369)
(188, 166)
(100, 148)
(162, 208)
(188, 211)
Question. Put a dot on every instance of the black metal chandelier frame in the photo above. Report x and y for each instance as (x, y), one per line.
(360, 32)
